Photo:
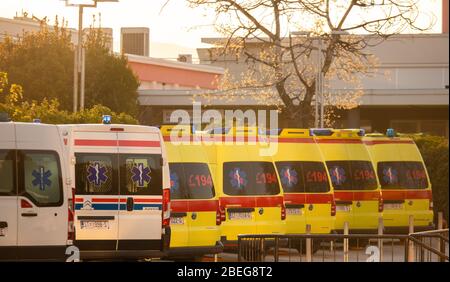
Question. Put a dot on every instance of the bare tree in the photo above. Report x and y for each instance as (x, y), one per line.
(283, 67)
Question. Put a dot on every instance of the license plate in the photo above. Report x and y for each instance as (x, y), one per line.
(393, 206)
(95, 225)
(240, 215)
(293, 211)
(2, 232)
(343, 208)
(177, 220)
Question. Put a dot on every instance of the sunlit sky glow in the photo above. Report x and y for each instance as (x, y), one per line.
(175, 29)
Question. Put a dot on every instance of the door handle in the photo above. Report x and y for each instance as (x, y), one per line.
(130, 204)
(33, 214)
(3, 224)
(194, 216)
(178, 214)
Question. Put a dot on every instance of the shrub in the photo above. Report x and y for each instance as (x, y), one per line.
(434, 150)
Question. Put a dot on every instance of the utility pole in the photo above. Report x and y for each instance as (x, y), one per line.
(79, 78)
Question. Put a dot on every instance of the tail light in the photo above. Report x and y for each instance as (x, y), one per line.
(380, 205)
(333, 208)
(70, 219)
(223, 214)
(220, 215)
(166, 208)
(283, 211)
(24, 204)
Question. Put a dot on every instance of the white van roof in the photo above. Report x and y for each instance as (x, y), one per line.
(111, 127)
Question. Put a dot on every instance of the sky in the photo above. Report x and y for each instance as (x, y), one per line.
(175, 29)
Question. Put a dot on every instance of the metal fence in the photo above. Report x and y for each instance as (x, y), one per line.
(424, 246)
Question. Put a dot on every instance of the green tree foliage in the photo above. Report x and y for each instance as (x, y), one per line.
(48, 111)
(43, 63)
(113, 84)
(434, 150)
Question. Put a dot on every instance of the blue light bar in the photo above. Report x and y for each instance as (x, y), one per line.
(390, 132)
(106, 119)
(361, 132)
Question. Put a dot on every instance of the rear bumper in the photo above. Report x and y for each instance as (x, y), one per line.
(122, 254)
(124, 249)
(196, 250)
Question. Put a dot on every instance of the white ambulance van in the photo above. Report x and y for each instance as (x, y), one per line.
(34, 195)
(121, 180)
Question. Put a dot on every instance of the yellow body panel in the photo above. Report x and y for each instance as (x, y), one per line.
(265, 221)
(296, 145)
(198, 228)
(384, 149)
(361, 211)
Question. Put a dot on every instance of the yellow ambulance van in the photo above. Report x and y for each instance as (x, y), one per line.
(195, 215)
(247, 184)
(305, 181)
(356, 189)
(405, 185)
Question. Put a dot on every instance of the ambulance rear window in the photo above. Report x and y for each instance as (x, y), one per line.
(191, 181)
(303, 177)
(402, 175)
(140, 174)
(250, 179)
(7, 173)
(40, 177)
(96, 174)
(352, 175)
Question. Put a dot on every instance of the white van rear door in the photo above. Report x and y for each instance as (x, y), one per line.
(140, 167)
(96, 193)
(8, 193)
(42, 203)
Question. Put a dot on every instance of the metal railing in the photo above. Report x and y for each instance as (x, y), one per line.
(429, 245)
(424, 246)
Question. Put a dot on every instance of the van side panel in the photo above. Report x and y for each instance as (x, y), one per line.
(8, 193)
(42, 229)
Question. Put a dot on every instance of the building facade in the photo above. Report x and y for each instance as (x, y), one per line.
(409, 91)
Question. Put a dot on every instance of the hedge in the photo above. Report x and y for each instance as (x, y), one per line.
(434, 150)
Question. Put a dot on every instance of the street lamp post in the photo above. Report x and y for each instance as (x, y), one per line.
(79, 60)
